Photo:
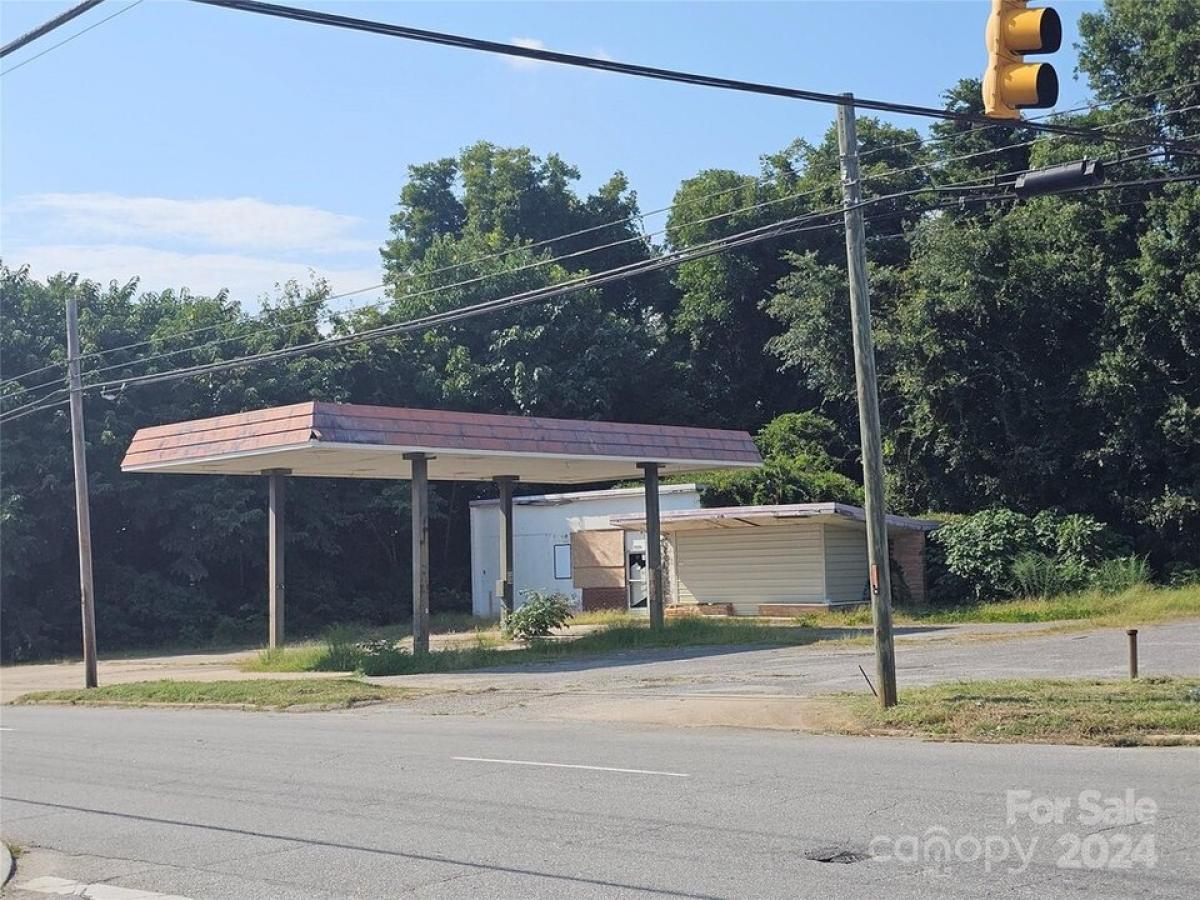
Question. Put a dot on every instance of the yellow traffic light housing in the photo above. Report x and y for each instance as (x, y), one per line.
(1011, 84)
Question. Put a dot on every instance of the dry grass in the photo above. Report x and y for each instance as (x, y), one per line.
(1085, 711)
(265, 693)
(626, 633)
(1141, 605)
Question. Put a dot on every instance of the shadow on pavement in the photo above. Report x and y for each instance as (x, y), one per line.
(378, 851)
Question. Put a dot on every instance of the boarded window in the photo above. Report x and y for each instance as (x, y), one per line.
(598, 559)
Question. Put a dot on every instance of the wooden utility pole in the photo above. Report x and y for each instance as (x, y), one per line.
(83, 518)
(868, 406)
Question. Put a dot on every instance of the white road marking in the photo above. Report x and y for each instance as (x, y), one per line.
(7, 729)
(550, 765)
(64, 887)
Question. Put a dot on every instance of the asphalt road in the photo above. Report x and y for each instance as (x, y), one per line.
(384, 802)
(769, 687)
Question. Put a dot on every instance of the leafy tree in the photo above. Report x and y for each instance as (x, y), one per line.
(800, 454)
(1149, 53)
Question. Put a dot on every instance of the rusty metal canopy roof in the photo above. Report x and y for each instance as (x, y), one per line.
(763, 516)
(351, 441)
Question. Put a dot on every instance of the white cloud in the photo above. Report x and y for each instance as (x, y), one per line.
(246, 277)
(243, 223)
(243, 244)
(521, 62)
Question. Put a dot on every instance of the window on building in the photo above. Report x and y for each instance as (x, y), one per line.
(562, 561)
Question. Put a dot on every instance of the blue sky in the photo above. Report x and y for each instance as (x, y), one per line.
(203, 147)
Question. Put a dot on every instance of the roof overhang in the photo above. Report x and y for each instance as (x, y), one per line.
(764, 517)
(351, 441)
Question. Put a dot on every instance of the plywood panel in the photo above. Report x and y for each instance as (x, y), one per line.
(598, 548)
(598, 559)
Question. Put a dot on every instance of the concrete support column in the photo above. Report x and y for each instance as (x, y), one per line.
(276, 533)
(420, 550)
(654, 573)
(504, 586)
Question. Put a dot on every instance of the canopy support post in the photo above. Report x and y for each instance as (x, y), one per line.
(276, 535)
(653, 546)
(420, 550)
(506, 581)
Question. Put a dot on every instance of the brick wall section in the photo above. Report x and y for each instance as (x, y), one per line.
(604, 598)
(908, 549)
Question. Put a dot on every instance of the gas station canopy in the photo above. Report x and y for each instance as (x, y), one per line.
(352, 441)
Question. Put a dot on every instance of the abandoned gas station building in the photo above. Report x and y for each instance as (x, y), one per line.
(779, 561)
(333, 440)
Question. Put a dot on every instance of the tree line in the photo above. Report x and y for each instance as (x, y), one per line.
(1033, 355)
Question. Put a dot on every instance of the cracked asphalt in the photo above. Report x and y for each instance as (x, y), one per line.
(772, 687)
(567, 780)
(386, 801)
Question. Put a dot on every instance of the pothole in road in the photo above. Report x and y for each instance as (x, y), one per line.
(842, 855)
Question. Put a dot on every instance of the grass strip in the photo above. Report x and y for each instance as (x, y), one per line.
(259, 693)
(1078, 711)
(625, 636)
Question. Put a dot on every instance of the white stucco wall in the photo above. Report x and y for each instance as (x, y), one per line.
(539, 523)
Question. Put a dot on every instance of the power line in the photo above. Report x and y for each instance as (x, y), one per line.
(606, 65)
(68, 40)
(462, 264)
(46, 27)
(1094, 106)
(964, 185)
(756, 235)
(639, 238)
(750, 180)
(720, 245)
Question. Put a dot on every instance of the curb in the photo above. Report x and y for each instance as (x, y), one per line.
(7, 864)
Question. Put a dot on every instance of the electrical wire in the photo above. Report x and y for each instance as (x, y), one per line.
(500, 254)
(720, 245)
(46, 27)
(751, 180)
(639, 238)
(68, 40)
(39, 405)
(316, 17)
(1094, 106)
(583, 282)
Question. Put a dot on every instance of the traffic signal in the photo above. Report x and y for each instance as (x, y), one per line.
(1011, 84)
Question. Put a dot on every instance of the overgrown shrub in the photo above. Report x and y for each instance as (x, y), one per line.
(538, 616)
(383, 658)
(1075, 538)
(780, 480)
(980, 550)
(999, 553)
(342, 652)
(1115, 575)
(1181, 575)
(1039, 575)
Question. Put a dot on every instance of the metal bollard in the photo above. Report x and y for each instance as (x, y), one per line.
(1132, 632)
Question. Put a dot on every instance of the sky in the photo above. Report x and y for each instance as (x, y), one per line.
(199, 147)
